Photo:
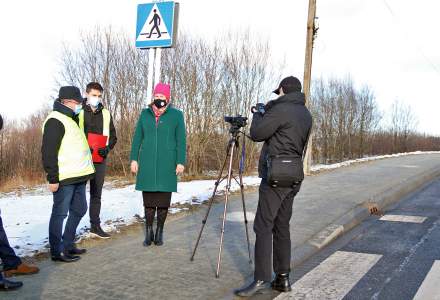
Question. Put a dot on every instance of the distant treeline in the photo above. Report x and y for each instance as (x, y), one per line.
(209, 80)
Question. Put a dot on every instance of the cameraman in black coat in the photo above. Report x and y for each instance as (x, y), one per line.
(283, 125)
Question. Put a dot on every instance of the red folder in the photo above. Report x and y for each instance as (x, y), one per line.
(96, 141)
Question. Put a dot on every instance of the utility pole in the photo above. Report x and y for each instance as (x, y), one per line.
(311, 32)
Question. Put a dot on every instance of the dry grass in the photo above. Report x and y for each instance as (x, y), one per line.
(18, 184)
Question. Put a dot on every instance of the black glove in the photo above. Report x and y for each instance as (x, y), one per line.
(258, 108)
(103, 152)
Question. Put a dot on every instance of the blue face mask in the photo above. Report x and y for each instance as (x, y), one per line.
(77, 109)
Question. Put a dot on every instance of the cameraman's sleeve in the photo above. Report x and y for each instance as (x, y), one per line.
(264, 126)
(181, 140)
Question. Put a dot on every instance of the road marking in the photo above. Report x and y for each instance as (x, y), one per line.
(327, 235)
(409, 166)
(430, 288)
(400, 218)
(333, 278)
(238, 216)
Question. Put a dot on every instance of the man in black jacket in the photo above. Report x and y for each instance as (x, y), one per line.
(283, 126)
(68, 164)
(96, 119)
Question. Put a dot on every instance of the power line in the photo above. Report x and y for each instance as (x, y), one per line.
(417, 46)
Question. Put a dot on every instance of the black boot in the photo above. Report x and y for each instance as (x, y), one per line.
(6, 285)
(96, 231)
(158, 238)
(252, 288)
(281, 283)
(149, 235)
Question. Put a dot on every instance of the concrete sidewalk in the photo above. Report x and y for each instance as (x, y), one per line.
(327, 205)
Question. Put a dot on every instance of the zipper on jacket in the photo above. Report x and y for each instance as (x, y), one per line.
(155, 162)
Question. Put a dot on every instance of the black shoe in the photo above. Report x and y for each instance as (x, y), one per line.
(158, 237)
(252, 288)
(6, 285)
(281, 283)
(67, 258)
(76, 251)
(97, 231)
(149, 235)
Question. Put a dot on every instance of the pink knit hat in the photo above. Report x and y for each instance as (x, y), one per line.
(162, 88)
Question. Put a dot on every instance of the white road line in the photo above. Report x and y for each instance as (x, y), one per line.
(238, 216)
(401, 218)
(430, 288)
(333, 278)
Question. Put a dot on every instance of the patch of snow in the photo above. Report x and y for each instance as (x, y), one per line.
(322, 167)
(26, 216)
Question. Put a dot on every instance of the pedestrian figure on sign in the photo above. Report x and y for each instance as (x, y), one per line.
(156, 20)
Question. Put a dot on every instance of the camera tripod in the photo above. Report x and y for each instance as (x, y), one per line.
(233, 143)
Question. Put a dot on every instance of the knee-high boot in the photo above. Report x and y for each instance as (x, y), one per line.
(162, 213)
(149, 234)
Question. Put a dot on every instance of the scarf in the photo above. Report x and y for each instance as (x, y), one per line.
(158, 112)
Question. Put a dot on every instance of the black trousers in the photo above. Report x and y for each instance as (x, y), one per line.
(272, 230)
(96, 185)
(9, 259)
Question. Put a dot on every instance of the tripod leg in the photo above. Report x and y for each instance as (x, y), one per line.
(245, 216)
(228, 187)
(211, 201)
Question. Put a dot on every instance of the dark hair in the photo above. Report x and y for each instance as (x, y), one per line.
(94, 86)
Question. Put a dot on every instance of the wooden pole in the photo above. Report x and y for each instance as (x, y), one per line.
(308, 73)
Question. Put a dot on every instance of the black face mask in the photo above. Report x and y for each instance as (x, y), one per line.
(159, 103)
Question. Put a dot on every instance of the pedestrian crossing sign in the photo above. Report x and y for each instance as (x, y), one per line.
(156, 24)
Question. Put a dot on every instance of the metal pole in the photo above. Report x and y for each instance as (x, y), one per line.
(157, 62)
(240, 174)
(219, 179)
(150, 74)
(308, 74)
(228, 187)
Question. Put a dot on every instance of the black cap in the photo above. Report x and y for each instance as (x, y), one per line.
(289, 84)
(1, 122)
(70, 93)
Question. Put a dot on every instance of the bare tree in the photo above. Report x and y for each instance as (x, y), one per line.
(403, 124)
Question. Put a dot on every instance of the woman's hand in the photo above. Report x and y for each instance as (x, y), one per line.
(180, 169)
(134, 167)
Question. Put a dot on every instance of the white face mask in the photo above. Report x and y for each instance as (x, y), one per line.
(93, 101)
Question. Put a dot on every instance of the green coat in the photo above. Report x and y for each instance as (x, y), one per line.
(159, 149)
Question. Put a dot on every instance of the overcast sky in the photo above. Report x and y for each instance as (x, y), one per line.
(391, 45)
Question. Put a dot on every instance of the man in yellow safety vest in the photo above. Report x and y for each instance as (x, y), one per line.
(68, 163)
(95, 119)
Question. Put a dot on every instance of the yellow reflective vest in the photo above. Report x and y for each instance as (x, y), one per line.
(74, 157)
(105, 125)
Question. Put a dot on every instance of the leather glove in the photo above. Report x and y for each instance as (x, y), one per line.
(258, 108)
(103, 152)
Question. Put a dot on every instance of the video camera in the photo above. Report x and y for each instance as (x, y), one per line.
(236, 122)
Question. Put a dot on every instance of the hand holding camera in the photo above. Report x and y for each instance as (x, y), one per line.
(258, 108)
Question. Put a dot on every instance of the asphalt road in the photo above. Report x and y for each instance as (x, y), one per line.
(121, 268)
(392, 257)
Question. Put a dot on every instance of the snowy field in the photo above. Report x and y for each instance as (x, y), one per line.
(26, 215)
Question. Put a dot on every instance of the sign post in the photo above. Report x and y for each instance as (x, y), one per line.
(156, 28)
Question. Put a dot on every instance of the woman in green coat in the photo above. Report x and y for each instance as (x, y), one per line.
(158, 155)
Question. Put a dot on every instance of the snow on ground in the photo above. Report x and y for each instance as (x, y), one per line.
(320, 167)
(26, 214)
(26, 217)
